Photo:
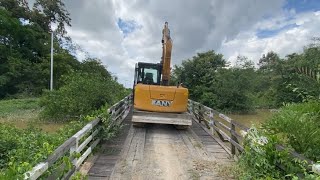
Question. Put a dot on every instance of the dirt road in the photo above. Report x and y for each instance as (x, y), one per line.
(163, 152)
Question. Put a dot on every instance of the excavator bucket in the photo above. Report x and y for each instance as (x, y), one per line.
(182, 119)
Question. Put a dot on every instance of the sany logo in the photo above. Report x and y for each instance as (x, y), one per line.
(161, 103)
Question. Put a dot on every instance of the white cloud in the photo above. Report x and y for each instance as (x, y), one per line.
(226, 26)
(285, 42)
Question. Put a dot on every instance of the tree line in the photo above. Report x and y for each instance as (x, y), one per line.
(25, 64)
(244, 86)
(25, 44)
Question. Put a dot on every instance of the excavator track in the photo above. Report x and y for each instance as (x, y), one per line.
(160, 151)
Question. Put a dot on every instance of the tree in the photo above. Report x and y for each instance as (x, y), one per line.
(54, 11)
(212, 83)
(25, 46)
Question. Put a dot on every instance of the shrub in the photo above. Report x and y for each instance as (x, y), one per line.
(298, 126)
(295, 126)
(22, 149)
(81, 94)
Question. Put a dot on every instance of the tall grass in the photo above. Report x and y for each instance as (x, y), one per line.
(14, 106)
(297, 127)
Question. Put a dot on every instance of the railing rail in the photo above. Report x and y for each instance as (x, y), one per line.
(76, 144)
(226, 128)
(223, 124)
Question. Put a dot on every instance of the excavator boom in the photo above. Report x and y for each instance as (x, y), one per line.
(166, 54)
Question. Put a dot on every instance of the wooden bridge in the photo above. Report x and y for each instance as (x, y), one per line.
(206, 150)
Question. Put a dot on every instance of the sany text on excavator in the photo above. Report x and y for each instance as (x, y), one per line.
(154, 100)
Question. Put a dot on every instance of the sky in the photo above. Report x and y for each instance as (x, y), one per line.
(124, 32)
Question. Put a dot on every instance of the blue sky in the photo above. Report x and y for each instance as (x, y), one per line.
(127, 26)
(302, 5)
(299, 6)
(269, 33)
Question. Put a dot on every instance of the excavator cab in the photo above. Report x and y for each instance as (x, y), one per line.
(147, 73)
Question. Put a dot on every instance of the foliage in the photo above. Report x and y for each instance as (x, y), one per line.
(298, 126)
(25, 45)
(8, 107)
(295, 126)
(81, 94)
(213, 84)
(261, 159)
(20, 150)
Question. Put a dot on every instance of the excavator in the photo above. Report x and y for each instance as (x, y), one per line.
(154, 100)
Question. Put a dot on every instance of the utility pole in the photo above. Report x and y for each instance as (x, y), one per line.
(51, 72)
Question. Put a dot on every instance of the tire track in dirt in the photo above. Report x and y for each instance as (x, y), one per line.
(162, 152)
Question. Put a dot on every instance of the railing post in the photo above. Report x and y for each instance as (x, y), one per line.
(233, 137)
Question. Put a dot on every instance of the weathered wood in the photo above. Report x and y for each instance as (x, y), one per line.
(86, 129)
(217, 131)
(37, 171)
(233, 148)
(198, 111)
(84, 144)
(295, 154)
(71, 145)
(61, 150)
(219, 141)
(225, 137)
(69, 173)
(241, 126)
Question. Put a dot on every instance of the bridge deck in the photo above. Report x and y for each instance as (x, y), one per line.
(161, 152)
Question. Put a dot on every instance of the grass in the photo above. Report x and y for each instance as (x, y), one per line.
(16, 107)
(24, 112)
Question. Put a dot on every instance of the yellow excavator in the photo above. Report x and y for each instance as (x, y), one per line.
(154, 100)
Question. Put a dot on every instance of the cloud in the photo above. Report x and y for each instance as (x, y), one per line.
(287, 40)
(121, 32)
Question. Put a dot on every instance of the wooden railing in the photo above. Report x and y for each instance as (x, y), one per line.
(78, 147)
(228, 131)
(223, 126)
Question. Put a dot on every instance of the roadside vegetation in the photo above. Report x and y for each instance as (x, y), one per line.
(83, 90)
(289, 86)
(22, 113)
(28, 111)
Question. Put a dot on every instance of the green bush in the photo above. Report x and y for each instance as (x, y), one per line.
(295, 126)
(81, 94)
(261, 159)
(298, 126)
(21, 149)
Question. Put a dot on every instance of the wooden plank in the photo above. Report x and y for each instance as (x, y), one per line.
(241, 126)
(217, 140)
(295, 155)
(69, 173)
(37, 171)
(224, 117)
(84, 144)
(61, 150)
(233, 137)
(84, 169)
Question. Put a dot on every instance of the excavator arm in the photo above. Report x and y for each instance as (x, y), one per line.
(166, 55)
